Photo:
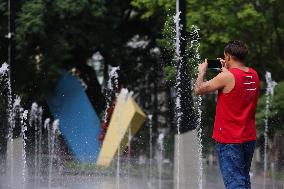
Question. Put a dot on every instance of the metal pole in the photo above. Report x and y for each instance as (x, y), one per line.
(11, 46)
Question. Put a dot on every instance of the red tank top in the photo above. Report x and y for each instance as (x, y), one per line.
(235, 111)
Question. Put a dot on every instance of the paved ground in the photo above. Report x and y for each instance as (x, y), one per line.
(211, 180)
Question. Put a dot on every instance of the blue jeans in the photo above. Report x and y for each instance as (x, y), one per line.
(235, 161)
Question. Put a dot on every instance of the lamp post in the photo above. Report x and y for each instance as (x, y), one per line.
(11, 46)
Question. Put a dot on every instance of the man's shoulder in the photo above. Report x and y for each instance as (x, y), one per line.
(226, 74)
(253, 71)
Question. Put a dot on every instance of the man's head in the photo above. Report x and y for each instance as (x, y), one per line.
(235, 50)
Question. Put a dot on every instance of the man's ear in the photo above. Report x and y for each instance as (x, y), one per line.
(229, 57)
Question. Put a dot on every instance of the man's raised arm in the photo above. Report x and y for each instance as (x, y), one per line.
(204, 87)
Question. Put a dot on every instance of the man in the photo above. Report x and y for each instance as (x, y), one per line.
(234, 128)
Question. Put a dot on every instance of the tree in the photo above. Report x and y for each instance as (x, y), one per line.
(49, 38)
(64, 34)
(258, 23)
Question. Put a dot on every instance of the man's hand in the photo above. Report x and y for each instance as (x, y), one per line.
(202, 68)
(219, 82)
(223, 62)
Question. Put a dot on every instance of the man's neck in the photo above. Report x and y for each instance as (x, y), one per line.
(239, 65)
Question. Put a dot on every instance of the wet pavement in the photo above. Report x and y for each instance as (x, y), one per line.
(211, 180)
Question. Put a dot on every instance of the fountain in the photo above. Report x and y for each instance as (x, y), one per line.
(47, 126)
(35, 121)
(178, 90)
(150, 183)
(269, 92)
(17, 116)
(160, 155)
(54, 132)
(34, 117)
(128, 156)
(16, 148)
(187, 108)
(24, 117)
(4, 74)
(195, 58)
(34, 176)
(126, 94)
(112, 91)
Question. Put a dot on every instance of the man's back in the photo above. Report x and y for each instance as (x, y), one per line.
(235, 111)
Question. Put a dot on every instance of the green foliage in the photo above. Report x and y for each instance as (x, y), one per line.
(258, 23)
(170, 72)
(64, 34)
(151, 8)
(52, 36)
(220, 21)
(166, 42)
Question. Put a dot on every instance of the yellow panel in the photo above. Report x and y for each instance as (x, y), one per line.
(126, 114)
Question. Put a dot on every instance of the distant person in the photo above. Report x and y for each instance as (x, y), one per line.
(234, 128)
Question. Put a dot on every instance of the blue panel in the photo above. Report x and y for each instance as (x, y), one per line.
(78, 122)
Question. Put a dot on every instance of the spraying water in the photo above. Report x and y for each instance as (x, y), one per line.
(128, 156)
(195, 59)
(151, 151)
(199, 142)
(17, 115)
(15, 111)
(35, 121)
(4, 69)
(40, 111)
(19, 112)
(160, 158)
(126, 94)
(24, 118)
(54, 132)
(269, 92)
(5, 76)
(47, 126)
(178, 92)
(112, 87)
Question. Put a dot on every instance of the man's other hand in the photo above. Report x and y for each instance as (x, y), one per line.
(223, 62)
(202, 68)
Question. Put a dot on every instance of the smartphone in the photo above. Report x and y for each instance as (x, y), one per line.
(214, 64)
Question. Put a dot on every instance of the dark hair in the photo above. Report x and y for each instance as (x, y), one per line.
(237, 49)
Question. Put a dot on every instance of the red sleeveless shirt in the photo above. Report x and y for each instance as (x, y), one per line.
(235, 111)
